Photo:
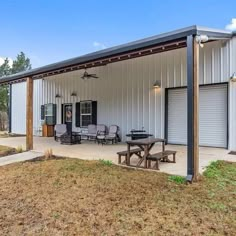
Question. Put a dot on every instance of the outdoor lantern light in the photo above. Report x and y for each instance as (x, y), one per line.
(73, 94)
(200, 39)
(233, 77)
(156, 84)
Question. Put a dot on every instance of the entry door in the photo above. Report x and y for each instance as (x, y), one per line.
(67, 116)
(212, 116)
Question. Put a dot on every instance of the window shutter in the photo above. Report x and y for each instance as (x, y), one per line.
(54, 114)
(42, 112)
(94, 112)
(77, 114)
(62, 113)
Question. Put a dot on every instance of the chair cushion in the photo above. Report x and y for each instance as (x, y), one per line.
(92, 129)
(113, 129)
(101, 128)
(60, 129)
(111, 136)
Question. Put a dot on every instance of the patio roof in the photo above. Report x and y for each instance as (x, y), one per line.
(159, 43)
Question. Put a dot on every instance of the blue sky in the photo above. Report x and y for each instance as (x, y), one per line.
(53, 30)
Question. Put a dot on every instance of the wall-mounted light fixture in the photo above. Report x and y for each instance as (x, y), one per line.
(73, 94)
(200, 39)
(233, 77)
(156, 84)
(58, 96)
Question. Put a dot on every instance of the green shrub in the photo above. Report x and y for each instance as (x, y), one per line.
(105, 162)
(177, 179)
(213, 170)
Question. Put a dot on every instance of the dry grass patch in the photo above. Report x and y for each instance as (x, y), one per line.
(5, 151)
(4, 134)
(74, 197)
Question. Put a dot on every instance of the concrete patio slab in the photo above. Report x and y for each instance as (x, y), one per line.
(91, 151)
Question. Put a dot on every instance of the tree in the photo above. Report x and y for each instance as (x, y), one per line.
(5, 69)
(22, 63)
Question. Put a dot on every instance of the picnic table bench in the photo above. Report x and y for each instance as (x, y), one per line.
(143, 152)
(161, 156)
(136, 151)
(146, 146)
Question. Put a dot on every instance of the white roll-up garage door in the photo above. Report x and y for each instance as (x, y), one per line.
(212, 116)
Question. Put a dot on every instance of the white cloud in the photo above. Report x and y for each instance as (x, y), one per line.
(2, 60)
(232, 25)
(99, 45)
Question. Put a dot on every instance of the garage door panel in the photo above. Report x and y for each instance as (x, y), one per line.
(212, 116)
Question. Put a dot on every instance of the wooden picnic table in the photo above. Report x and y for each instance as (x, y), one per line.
(146, 145)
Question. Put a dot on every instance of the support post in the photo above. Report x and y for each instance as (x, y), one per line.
(29, 114)
(192, 108)
(9, 108)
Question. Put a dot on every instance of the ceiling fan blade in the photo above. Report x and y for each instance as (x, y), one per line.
(86, 75)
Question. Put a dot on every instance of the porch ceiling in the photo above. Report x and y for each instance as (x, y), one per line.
(156, 44)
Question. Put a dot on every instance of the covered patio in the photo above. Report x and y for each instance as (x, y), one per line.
(91, 151)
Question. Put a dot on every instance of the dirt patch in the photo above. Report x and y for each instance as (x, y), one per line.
(74, 197)
(6, 151)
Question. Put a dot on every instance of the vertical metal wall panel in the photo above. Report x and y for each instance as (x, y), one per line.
(19, 107)
(37, 108)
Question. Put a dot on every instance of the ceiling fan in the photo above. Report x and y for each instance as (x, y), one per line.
(86, 75)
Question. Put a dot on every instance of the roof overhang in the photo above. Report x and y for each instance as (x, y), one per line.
(156, 44)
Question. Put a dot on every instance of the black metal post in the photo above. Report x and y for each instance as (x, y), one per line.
(192, 108)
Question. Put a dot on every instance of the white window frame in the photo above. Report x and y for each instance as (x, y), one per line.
(85, 114)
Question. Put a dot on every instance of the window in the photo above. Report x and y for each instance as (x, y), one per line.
(85, 113)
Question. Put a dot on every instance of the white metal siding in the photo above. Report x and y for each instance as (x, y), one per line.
(18, 110)
(212, 116)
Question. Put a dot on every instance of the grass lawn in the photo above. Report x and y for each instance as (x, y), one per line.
(75, 197)
(5, 151)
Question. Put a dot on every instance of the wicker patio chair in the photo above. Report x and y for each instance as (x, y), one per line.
(59, 130)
